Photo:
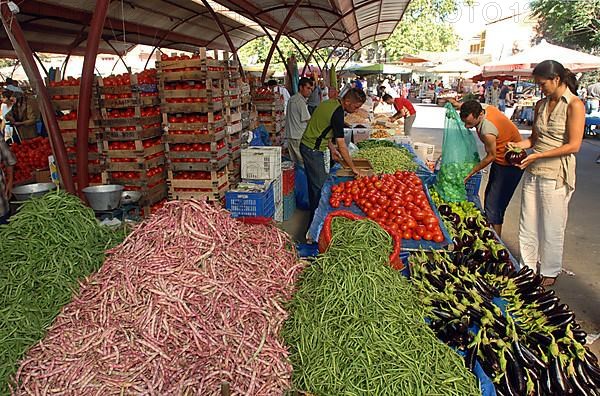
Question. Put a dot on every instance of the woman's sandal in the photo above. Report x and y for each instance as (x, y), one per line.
(548, 281)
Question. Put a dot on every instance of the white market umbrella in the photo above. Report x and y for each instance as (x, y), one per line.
(522, 64)
(456, 67)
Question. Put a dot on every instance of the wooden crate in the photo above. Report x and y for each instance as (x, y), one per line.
(213, 195)
(205, 57)
(214, 153)
(232, 116)
(194, 137)
(206, 107)
(137, 120)
(208, 93)
(217, 178)
(70, 138)
(235, 153)
(72, 124)
(234, 128)
(139, 151)
(139, 133)
(214, 122)
(229, 101)
(138, 164)
(143, 180)
(132, 87)
(136, 101)
(211, 165)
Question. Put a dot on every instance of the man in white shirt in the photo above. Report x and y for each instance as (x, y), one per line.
(492, 94)
(297, 117)
(275, 87)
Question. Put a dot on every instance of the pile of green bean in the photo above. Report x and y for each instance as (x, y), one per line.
(356, 326)
(47, 247)
(388, 159)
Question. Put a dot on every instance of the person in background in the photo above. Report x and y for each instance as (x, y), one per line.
(496, 131)
(23, 116)
(297, 117)
(326, 130)
(549, 180)
(492, 94)
(403, 109)
(502, 97)
(324, 90)
(315, 97)
(7, 102)
(276, 88)
(8, 159)
(481, 92)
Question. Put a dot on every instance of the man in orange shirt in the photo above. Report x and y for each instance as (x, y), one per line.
(495, 130)
(403, 109)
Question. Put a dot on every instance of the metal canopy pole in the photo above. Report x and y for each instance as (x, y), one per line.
(19, 43)
(85, 91)
(225, 33)
(276, 40)
(344, 15)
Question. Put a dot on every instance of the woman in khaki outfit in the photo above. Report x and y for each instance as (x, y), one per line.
(549, 179)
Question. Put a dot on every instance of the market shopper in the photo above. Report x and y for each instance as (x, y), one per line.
(403, 109)
(492, 94)
(8, 159)
(23, 116)
(326, 130)
(496, 131)
(297, 117)
(549, 180)
(276, 88)
(504, 97)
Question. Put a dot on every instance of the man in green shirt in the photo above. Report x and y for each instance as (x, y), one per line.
(326, 130)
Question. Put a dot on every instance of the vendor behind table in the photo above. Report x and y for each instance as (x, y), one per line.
(326, 130)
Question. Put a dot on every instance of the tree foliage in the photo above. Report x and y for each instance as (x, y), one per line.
(574, 23)
(257, 50)
(424, 27)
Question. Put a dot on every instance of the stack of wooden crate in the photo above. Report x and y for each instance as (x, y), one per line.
(234, 114)
(196, 134)
(132, 135)
(269, 106)
(64, 95)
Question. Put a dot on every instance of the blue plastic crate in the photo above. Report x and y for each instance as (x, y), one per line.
(472, 186)
(250, 204)
(289, 205)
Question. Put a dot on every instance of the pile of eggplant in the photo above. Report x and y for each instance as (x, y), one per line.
(525, 341)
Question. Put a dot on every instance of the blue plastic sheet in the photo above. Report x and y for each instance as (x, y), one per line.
(301, 188)
(325, 208)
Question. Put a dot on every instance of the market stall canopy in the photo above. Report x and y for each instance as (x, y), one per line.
(456, 67)
(413, 59)
(378, 68)
(326, 23)
(60, 26)
(522, 64)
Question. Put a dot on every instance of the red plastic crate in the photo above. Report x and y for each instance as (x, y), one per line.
(288, 176)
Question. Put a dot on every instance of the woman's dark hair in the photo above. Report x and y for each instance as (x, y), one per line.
(470, 107)
(386, 97)
(7, 94)
(551, 69)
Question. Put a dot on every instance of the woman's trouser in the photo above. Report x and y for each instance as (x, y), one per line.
(544, 211)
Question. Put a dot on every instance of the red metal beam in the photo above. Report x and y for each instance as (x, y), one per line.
(21, 47)
(340, 18)
(85, 91)
(224, 31)
(276, 40)
(53, 11)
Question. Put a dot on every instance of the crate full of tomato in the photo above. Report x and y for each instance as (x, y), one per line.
(397, 200)
(31, 154)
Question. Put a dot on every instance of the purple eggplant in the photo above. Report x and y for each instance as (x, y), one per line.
(514, 156)
(445, 210)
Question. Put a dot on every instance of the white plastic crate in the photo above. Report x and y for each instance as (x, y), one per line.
(424, 151)
(278, 216)
(262, 163)
(278, 190)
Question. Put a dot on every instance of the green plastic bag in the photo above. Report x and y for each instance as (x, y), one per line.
(459, 156)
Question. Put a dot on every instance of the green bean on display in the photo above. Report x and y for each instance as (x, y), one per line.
(356, 326)
(50, 244)
(388, 159)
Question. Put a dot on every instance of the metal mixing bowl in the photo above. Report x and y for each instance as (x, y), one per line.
(28, 191)
(105, 197)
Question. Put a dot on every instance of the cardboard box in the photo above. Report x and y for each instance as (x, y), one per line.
(424, 151)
